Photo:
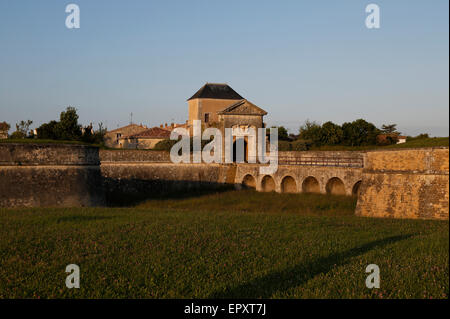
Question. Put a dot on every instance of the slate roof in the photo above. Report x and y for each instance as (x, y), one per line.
(216, 91)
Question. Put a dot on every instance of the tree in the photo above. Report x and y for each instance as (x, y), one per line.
(282, 133)
(359, 132)
(68, 127)
(4, 127)
(311, 131)
(22, 129)
(331, 134)
(389, 129)
(48, 131)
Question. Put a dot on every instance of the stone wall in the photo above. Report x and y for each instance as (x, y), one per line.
(410, 183)
(134, 156)
(33, 175)
(130, 182)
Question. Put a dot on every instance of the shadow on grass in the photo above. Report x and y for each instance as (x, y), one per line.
(131, 192)
(266, 286)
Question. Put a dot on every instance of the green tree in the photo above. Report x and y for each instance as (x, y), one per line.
(331, 134)
(389, 129)
(359, 132)
(48, 131)
(68, 127)
(22, 129)
(282, 133)
(311, 131)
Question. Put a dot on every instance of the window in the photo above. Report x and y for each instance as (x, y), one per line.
(206, 117)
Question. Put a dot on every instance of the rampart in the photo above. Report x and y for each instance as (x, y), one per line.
(60, 175)
(410, 183)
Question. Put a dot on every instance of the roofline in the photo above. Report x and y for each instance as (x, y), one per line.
(239, 103)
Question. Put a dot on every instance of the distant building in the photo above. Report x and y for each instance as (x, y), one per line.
(114, 138)
(146, 139)
(392, 138)
(214, 104)
(401, 139)
(4, 127)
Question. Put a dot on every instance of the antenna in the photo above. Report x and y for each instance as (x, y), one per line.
(131, 118)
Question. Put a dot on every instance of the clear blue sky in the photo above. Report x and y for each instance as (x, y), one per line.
(296, 59)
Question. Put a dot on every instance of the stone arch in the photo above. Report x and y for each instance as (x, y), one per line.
(249, 181)
(310, 185)
(268, 184)
(288, 185)
(356, 188)
(335, 186)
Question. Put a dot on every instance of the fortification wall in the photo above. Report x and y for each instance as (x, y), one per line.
(412, 183)
(33, 175)
(129, 182)
(134, 156)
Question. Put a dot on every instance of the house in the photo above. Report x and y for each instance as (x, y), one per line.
(391, 138)
(4, 128)
(401, 139)
(146, 139)
(114, 138)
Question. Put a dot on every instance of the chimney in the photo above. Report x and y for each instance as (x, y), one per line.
(165, 125)
(172, 125)
(161, 126)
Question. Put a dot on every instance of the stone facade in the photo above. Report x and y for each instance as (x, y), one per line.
(33, 175)
(397, 183)
(116, 138)
(410, 183)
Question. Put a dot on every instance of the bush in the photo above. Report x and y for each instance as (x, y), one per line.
(301, 145)
(164, 145)
(284, 146)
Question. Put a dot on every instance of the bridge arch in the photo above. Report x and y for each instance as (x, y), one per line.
(249, 181)
(288, 185)
(356, 188)
(310, 185)
(335, 186)
(268, 184)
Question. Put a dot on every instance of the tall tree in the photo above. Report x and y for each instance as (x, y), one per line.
(311, 131)
(68, 127)
(359, 132)
(331, 134)
(22, 129)
(389, 128)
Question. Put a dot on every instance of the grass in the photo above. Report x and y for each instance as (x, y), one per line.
(42, 141)
(232, 244)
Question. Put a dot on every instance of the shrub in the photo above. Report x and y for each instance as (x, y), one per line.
(284, 146)
(301, 145)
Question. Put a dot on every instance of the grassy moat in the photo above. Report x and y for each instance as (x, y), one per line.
(230, 244)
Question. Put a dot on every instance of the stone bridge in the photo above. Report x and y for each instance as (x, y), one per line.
(302, 179)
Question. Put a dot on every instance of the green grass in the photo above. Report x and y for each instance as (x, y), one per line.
(232, 244)
(42, 141)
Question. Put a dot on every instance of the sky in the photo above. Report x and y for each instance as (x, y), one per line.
(298, 60)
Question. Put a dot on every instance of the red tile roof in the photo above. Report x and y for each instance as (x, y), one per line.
(154, 132)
